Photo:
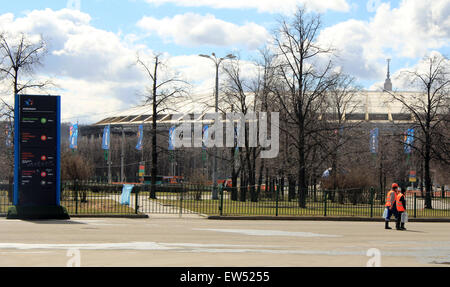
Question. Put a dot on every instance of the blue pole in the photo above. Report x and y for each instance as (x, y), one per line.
(16, 148)
(58, 151)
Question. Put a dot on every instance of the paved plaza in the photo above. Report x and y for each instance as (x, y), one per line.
(195, 241)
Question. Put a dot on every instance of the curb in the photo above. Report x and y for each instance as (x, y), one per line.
(135, 216)
(322, 218)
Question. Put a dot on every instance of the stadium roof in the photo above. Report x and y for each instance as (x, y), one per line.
(365, 106)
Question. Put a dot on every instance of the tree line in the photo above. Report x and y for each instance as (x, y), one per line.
(294, 76)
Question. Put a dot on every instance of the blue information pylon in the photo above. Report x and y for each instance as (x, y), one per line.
(37, 142)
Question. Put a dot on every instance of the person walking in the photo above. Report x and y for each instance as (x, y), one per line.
(390, 205)
(400, 203)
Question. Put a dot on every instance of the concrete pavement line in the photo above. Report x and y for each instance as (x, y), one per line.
(254, 232)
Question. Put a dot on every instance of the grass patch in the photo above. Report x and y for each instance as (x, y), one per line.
(94, 205)
(269, 208)
(97, 206)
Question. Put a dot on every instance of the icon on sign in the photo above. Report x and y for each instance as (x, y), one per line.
(43, 182)
(43, 158)
(29, 102)
(43, 138)
(43, 174)
(43, 121)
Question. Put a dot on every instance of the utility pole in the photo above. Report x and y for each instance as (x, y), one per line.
(109, 167)
(217, 62)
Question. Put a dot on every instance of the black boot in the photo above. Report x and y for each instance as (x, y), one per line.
(397, 224)
(402, 227)
(386, 225)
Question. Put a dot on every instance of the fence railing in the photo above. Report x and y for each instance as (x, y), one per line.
(6, 197)
(93, 198)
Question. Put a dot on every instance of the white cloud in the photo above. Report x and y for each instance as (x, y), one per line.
(409, 31)
(193, 30)
(94, 69)
(268, 6)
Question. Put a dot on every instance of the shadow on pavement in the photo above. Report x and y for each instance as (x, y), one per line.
(416, 231)
(54, 222)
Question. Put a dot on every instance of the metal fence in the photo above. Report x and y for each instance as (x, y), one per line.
(278, 202)
(93, 198)
(5, 197)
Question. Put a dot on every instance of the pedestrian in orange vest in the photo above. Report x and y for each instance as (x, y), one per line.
(400, 203)
(390, 205)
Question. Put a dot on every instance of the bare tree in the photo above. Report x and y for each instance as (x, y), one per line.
(341, 104)
(239, 96)
(430, 109)
(18, 59)
(305, 83)
(159, 95)
(266, 102)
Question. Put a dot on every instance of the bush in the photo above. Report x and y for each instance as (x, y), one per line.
(353, 179)
(76, 167)
(350, 187)
(199, 180)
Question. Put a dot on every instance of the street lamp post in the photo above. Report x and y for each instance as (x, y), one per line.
(217, 62)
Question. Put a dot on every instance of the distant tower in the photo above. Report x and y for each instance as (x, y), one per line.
(388, 83)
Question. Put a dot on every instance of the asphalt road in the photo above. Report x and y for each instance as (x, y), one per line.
(170, 241)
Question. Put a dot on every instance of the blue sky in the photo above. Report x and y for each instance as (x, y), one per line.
(365, 32)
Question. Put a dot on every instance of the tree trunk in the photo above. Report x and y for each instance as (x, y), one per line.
(428, 183)
(234, 176)
(243, 193)
(291, 192)
(252, 175)
(302, 173)
(154, 139)
(260, 176)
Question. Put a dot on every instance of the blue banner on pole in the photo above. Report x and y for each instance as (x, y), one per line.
(205, 136)
(140, 137)
(73, 136)
(8, 141)
(409, 141)
(106, 137)
(172, 138)
(374, 140)
(126, 194)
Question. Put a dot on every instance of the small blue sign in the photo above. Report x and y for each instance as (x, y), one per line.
(172, 138)
(126, 194)
(409, 141)
(106, 137)
(73, 136)
(374, 140)
(8, 141)
(205, 136)
(140, 137)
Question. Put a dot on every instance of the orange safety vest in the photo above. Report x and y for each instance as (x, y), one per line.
(390, 198)
(400, 207)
